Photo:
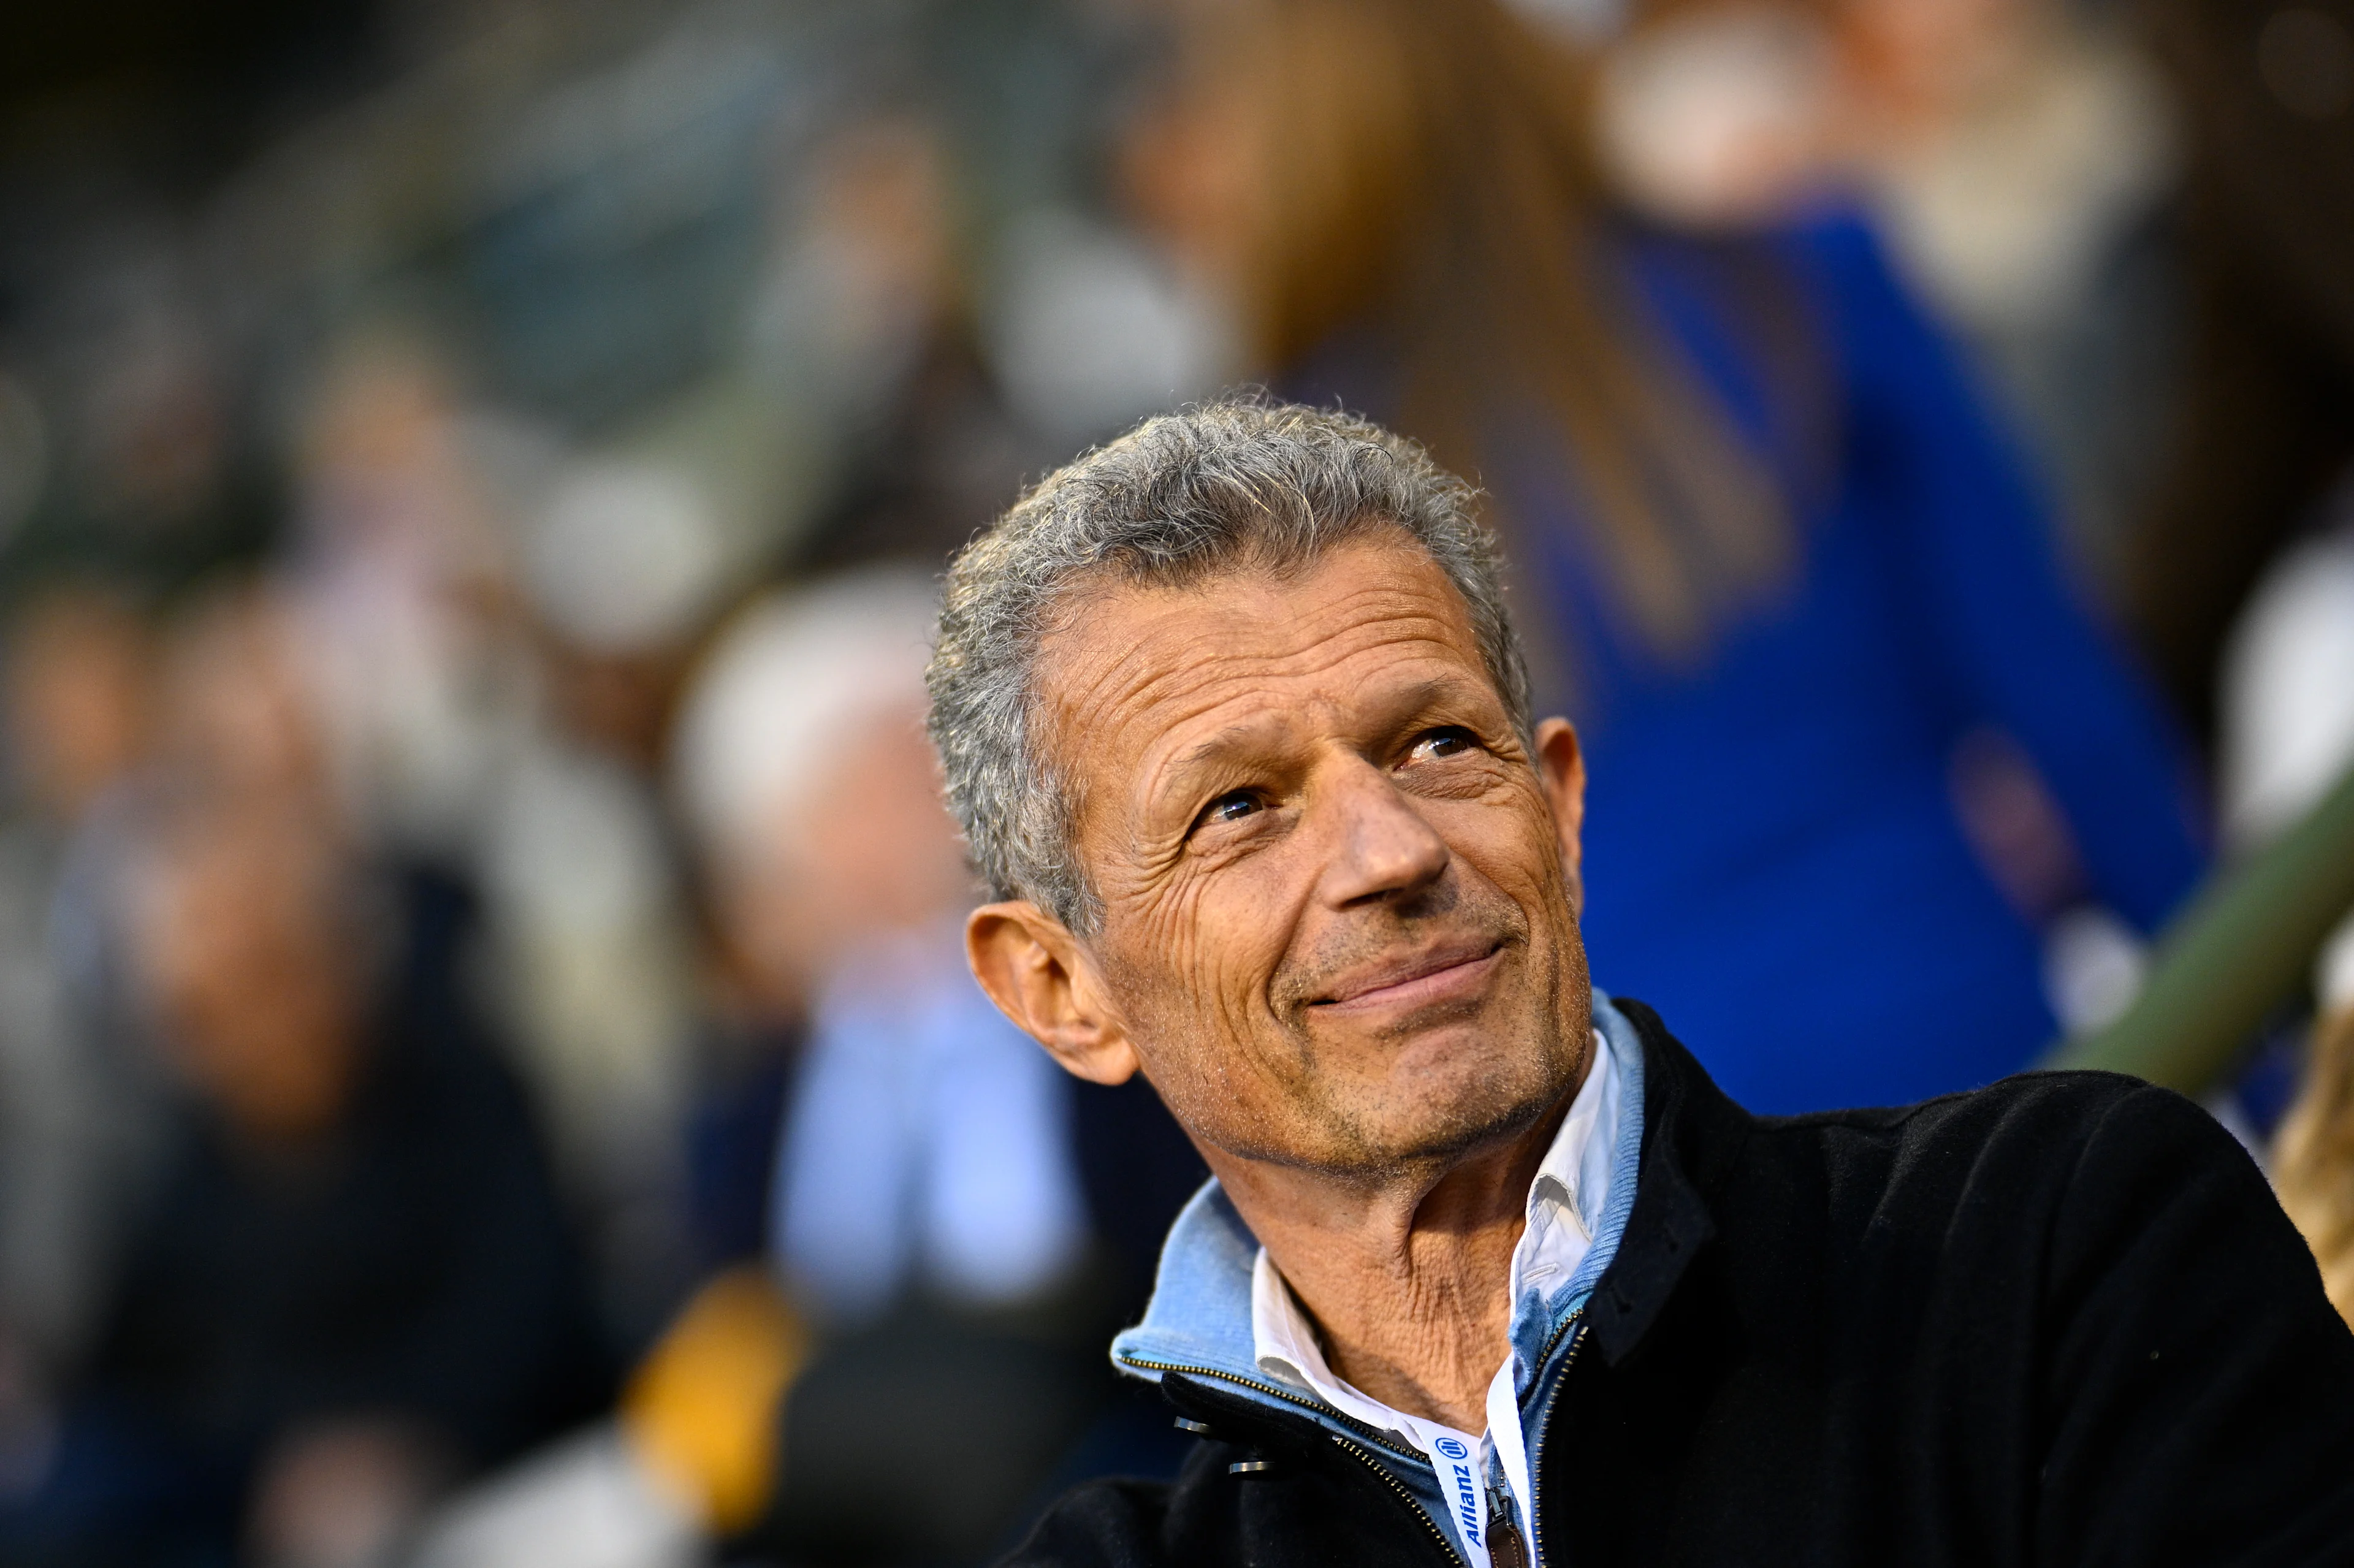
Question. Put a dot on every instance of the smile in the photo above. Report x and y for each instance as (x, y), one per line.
(1451, 973)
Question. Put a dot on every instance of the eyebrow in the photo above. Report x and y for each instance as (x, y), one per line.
(1217, 748)
(1212, 750)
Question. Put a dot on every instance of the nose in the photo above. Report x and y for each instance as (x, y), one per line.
(1382, 848)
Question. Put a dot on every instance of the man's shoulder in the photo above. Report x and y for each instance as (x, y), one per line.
(2042, 1126)
(2040, 1119)
(2083, 1097)
(2060, 1155)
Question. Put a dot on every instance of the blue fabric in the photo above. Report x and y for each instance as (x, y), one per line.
(1774, 858)
(1535, 1317)
(1200, 1318)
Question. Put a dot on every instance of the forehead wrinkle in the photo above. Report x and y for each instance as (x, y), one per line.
(1113, 696)
(1232, 740)
(1209, 657)
(1242, 740)
(1246, 601)
(1230, 635)
(1230, 677)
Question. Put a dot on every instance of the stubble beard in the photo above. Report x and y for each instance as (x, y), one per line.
(1378, 1128)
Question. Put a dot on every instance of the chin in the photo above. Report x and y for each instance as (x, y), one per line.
(1457, 1104)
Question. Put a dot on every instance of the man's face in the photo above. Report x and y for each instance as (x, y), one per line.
(1337, 929)
(872, 853)
(255, 995)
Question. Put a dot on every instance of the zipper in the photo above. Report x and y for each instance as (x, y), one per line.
(1357, 1451)
(1394, 1485)
(1553, 1341)
(1316, 1407)
(1544, 1423)
(1569, 1325)
(1506, 1549)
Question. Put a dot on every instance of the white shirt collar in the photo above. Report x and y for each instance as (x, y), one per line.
(1566, 1205)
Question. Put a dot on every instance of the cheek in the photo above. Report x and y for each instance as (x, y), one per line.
(1223, 929)
(1509, 836)
(1166, 959)
(1198, 955)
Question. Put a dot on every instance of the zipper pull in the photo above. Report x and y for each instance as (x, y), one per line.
(1506, 1549)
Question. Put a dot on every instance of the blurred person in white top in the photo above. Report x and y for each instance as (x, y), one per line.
(923, 1191)
(925, 1147)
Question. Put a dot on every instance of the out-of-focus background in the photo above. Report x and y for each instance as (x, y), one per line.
(487, 1076)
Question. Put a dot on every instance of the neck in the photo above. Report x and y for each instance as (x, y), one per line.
(1408, 1275)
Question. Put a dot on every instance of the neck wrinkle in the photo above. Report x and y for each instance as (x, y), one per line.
(1407, 1282)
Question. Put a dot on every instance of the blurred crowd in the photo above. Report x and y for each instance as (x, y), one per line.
(487, 1070)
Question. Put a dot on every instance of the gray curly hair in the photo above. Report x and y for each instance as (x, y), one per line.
(1242, 482)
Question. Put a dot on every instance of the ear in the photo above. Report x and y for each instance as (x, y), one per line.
(1562, 767)
(1042, 978)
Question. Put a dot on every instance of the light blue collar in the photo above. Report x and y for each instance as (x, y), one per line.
(1198, 1323)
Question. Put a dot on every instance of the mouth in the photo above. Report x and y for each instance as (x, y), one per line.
(1450, 971)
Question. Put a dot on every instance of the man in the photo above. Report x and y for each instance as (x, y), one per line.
(351, 1282)
(1489, 1272)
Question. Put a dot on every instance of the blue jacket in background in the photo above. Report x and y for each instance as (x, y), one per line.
(1774, 855)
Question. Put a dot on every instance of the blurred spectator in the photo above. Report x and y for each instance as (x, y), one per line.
(2022, 154)
(924, 1185)
(893, 1161)
(354, 1282)
(692, 1454)
(237, 708)
(948, 380)
(247, 710)
(395, 530)
(925, 1147)
(2266, 426)
(867, 312)
(586, 915)
(2287, 737)
(1781, 566)
(78, 702)
(492, 628)
(79, 713)
(1724, 115)
(2313, 1160)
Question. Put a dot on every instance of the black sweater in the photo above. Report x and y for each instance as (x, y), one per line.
(2058, 1320)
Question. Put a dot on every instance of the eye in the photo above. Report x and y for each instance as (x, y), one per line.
(1232, 806)
(1447, 740)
